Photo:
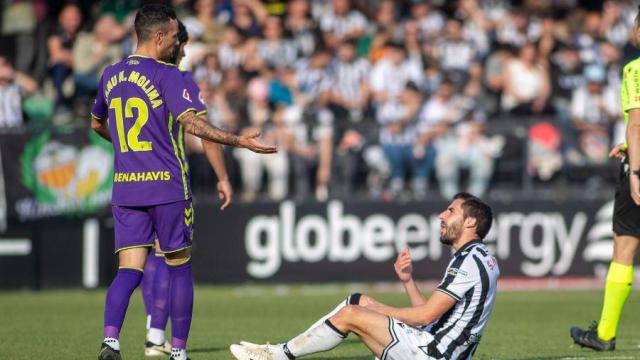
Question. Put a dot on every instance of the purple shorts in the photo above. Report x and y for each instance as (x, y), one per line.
(139, 226)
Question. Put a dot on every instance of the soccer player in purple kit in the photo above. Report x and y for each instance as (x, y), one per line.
(155, 279)
(148, 104)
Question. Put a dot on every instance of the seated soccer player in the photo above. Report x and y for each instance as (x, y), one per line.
(447, 325)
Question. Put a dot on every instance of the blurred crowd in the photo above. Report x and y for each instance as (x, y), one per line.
(373, 98)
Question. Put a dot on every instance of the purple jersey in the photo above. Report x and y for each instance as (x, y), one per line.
(142, 98)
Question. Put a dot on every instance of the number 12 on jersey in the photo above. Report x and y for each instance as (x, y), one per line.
(131, 141)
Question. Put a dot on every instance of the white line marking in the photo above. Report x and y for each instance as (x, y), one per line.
(90, 253)
(15, 247)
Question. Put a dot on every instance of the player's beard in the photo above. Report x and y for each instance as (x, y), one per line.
(451, 232)
(173, 57)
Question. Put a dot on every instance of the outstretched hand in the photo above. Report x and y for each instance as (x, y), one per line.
(403, 266)
(250, 142)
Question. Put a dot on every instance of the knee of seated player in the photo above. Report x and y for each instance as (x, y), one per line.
(178, 257)
(346, 318)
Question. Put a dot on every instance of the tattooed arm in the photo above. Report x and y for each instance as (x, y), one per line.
(201, 128)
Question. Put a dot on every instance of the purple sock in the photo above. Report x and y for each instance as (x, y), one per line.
(117, 300)
(160, 308)
(181, 303)
(146, 286)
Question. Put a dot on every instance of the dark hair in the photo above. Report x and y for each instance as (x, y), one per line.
(477, 209)
(151, 16)
(183, 35)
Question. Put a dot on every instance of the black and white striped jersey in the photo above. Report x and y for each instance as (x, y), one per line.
(470, 279)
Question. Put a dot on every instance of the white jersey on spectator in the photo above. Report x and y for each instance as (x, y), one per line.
(278, 54)
(455, 55)
(311, 81)
(471, 279)
(348, 78)
(342, 25)
(390, 112)
(392, 79)
(229, 57)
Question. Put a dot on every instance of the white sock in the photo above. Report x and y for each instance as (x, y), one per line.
(321, 338)
(112, 342)
(156, 336)
(178, 354)
(148, 322)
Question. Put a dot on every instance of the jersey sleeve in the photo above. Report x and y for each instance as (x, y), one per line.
(194, 90)
(459, 279)
(100, 109)
(631, 84)
(175, 93)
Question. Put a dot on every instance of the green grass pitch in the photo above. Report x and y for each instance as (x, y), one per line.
(67, 324)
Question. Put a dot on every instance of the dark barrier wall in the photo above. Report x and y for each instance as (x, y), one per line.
(340, 241)
(332, 241)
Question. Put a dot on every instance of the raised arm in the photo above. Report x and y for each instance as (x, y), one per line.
(200, 127)
(404, 270)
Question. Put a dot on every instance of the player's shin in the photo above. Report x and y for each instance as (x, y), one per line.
(117, 302)
(146, 285)
(320, 338)
(160, 303)
(617, 289)
(181, 303)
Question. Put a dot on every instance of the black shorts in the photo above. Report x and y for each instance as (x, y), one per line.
(626, 214)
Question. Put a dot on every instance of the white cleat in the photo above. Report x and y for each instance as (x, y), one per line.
(241, 352)
(151, 349)
(251, 345)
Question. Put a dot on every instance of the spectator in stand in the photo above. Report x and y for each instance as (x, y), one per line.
(589, 37)
(527, 86)
(13, 86)
(349, 95)
(456, 55)
(385, 19)
(398, 121)
(248, 16)
(494, 78)
(313, 79)
(233, 50)
(348, 100)
(390, 75)
(208, 70)
(430, 21)
(204, 25)
(300, 27)
(342, 23)
(466, 146)
(512, 30)
(594, 110)
(92, 52)
(60, 47)
(272, 126)
(566, 75)
(439, 113)
(273, 48)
